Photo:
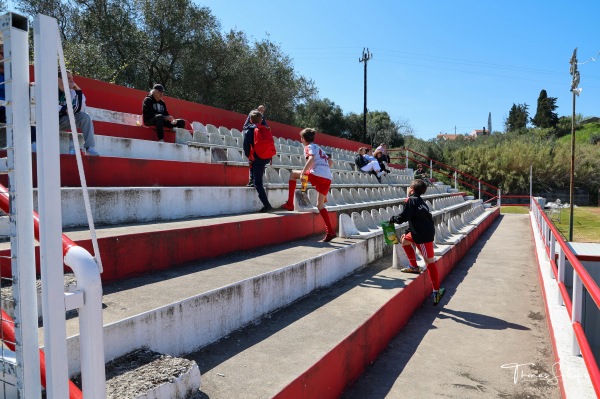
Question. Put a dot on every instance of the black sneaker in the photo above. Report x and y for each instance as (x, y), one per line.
(250, 184)
(265, 209)
(437, 296)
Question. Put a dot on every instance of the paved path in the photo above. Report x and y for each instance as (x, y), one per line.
(492, 318)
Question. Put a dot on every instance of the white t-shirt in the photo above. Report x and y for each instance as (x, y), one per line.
(321, 165)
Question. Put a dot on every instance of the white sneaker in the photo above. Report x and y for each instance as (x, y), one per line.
(92, 152)
(379, 174)
(161, 141)
(33, 147)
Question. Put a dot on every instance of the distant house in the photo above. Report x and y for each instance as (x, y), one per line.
(449, 137)
(476, 133)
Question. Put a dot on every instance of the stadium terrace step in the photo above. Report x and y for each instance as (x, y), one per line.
(181, 310)
(137, 249)
(131, 132)
(106, 171)
(316, 346)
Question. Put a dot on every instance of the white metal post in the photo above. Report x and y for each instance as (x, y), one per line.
(455, 181)
(530, 186)
(49, 204)
(576, 310)
(16, 69)
(431, 169)
(479, 189)
(552, 250)
(499, 197)
(406, 158)
(561, 272)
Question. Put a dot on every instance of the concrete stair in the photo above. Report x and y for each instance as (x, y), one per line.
(183, 309)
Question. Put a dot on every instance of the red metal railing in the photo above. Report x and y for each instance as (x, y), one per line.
(8, 325)
(463, 182)
(587, 281)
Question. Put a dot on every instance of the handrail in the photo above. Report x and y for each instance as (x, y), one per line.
(464, 183)
(586, 279)
(450, 167)
(7, 322)
(8, 338)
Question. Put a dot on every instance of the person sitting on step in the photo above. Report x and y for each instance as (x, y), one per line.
(154, 112)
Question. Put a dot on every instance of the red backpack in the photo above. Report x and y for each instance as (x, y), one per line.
(264, 145)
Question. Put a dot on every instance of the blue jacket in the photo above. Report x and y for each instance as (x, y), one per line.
(248, 139)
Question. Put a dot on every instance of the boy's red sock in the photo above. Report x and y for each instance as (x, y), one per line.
(291, 190)
(411, 255)
(325, 216)
(433, 276)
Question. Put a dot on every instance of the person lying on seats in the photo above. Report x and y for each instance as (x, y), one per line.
(364, 165)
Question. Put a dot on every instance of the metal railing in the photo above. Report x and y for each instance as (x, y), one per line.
(558, 255)
(441, 168)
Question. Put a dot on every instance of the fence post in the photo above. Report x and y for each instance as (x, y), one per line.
(455, 181)
(576, 311)
(499, 197)
(406, 159)
(561, 273)
(552, 250)
(479, 189)
(431, 169)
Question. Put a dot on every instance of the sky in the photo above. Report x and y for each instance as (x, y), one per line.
(442, 65)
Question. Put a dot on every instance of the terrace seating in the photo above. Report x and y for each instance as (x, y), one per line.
(171, 224)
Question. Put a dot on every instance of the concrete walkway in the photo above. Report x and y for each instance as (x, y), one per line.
(487, 339)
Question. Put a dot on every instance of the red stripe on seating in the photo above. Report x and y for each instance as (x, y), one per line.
(132, 132)
(133, 254)
(129, 172)
(343, 364)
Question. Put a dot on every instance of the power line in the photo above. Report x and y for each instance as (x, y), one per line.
(591, 59)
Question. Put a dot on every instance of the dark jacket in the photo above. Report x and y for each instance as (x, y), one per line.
(420, 222)
(151, 107)
(360, 161)
(77, 101)
(249, 140)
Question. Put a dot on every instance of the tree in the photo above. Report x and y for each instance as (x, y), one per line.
(517, 117)
(545, 116)
(126, 42)
(323, 115)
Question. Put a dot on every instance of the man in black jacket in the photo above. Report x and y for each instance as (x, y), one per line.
(421, 233)
(154, 112)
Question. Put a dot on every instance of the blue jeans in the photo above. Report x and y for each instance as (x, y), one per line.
(258, 170)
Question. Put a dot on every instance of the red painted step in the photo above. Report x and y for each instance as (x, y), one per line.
(134, 250)
(131, 172)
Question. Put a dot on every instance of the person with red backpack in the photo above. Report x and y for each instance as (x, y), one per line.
(259, 148)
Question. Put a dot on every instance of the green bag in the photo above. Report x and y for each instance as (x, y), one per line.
(389, 233)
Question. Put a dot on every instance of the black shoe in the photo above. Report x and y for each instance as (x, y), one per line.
(250, 184)
(265, 209)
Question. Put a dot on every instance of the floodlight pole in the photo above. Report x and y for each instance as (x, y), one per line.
(366, 56)
(575, 91)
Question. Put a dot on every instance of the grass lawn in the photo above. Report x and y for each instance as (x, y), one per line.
(586, 222)
(514, 209)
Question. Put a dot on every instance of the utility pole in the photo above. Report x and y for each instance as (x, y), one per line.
(575, 91)
(366, 56)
